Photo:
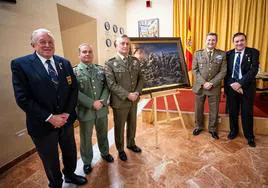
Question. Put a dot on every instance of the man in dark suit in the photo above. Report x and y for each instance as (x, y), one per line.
(240, 86)
(125, 82)
(46, 90)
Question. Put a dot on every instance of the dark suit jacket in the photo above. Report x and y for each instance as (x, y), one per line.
(36, 95)
(249, 69)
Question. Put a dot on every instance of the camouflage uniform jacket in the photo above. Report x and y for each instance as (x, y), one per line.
(123, 78)
(205, 70)
(92, 86)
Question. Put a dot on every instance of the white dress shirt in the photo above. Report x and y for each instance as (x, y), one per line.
(241, 58)
(43, 60)
(52, 62)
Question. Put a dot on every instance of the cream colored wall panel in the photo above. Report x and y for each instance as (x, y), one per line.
(16, 25)
(85, 33)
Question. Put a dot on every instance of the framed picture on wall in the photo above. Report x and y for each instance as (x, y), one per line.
(148, 28)
(162, 63)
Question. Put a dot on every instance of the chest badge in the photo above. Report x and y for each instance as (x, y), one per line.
(69, 80)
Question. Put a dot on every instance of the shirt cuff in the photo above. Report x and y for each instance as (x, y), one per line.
(49, 117)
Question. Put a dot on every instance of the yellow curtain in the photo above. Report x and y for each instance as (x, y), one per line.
(224, 17)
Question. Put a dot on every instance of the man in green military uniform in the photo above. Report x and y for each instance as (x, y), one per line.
(125, 82)
(209, 69)
(92, 106)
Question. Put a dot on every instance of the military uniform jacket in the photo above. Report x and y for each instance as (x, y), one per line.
(92, 86)
(205, 70)
(123, 78)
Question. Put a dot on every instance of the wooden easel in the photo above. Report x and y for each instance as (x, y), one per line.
(155, 122)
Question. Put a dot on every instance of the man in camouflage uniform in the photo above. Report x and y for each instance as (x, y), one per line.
(125, 82)
(209, 69)
(92, 106)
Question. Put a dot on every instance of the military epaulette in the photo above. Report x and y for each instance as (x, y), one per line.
(219, 50)
(75, 67)
(99, 66)
(199, 50)
(133, 57)
(112, 59)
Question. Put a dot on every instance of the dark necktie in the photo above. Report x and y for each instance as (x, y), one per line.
(237, 66)
(52, 73)
(90, 69)
(125, 59)
(209, 55)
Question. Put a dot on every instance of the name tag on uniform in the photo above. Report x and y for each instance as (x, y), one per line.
(69, 80)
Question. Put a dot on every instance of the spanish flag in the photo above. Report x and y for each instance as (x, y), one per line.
(189, 50)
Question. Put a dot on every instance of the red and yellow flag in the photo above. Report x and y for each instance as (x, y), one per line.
(189, 50)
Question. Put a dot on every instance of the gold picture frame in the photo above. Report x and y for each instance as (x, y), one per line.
(162, 62)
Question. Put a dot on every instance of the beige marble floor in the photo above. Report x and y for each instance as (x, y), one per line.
(176, 162)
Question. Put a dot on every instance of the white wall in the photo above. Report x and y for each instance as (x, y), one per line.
(162, 9)
(71, 43)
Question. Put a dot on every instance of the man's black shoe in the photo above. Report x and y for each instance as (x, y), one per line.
(76, 179)
(214, 135)
(134, 148)
(87, 169)
(122, 156)
(109, 158)
(197, 132)
(231, 135)
(251, 143)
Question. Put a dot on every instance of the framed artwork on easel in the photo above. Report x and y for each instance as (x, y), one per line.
(162, 63)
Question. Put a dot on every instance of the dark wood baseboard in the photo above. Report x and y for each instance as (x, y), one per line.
(16, 161)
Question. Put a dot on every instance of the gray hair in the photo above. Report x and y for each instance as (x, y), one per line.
(84, 44)
(35, 33)
(119, 38)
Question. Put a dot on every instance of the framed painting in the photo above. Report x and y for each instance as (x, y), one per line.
(162, 63)
(148, 28)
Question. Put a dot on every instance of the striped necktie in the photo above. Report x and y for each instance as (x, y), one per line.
(52, 73)
(237, 66)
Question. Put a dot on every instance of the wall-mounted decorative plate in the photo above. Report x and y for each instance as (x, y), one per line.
(107, 26)
(108, 42)
(121, 30)
(115, 28)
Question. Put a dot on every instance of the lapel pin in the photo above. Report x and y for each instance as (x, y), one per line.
(60, 64)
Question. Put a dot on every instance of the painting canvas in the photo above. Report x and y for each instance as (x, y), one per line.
(149, 28)
(162, 62)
